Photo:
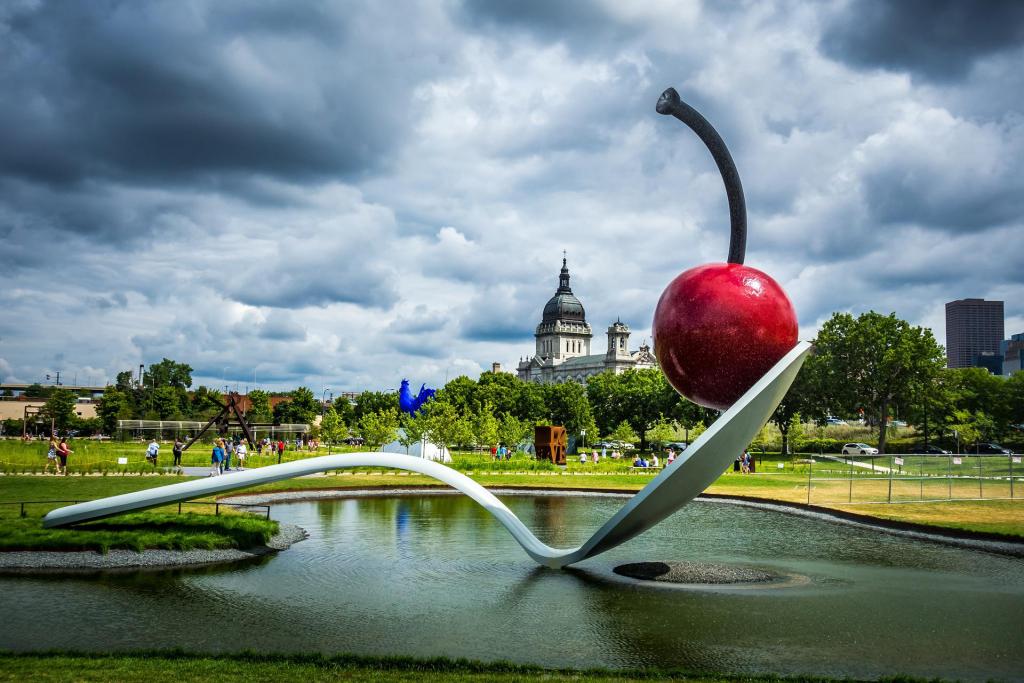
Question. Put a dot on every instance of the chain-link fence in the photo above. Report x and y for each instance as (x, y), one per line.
(913, 478)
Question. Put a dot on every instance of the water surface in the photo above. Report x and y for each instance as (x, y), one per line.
(436, 575)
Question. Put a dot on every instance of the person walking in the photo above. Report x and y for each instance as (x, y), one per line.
(215, 459)
(152, 451)
(229, 450)
(241, 450)
(176, 450)
(51, 456)
(62, 456)
(280, 450)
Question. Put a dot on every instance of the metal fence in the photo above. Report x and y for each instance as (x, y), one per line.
(41, 507)
(913, 478)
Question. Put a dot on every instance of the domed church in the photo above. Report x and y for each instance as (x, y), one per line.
(563, 343)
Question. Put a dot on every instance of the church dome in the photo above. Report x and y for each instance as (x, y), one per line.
(564, 305)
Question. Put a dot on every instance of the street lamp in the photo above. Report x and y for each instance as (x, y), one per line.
(323, 404)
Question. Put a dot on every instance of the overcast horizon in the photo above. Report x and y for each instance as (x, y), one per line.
(347, 194)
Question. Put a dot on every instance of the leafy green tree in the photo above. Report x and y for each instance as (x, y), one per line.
(446, 426)
(206, 402)
(301, 407)
(512, 431)
(640, 397)
(60, 407)
(125, 381)
(168, 373)
(374, 402)
(166, 403)
(530, 406)
(459, 392)
(623, 432)
(485, 426)
(414, 429)
(874, 362)
(499, 389)
(332, 429)
(800, 398)
(379, 428)
(345, 409)
(259, 406)
(568, 406)
(662, 432)
(37, 391)
(115, 405)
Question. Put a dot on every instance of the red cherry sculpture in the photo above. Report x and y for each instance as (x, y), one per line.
(720, 327)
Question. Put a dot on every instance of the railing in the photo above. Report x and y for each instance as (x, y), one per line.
(216, 505)
(895, 478)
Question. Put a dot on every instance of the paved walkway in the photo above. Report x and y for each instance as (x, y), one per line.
(847, 460)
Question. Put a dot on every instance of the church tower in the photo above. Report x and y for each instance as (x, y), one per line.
(618, 343)
(563, 331)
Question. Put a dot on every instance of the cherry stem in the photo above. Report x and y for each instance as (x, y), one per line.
(670, 104)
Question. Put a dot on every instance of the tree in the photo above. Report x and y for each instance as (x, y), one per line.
(115, 405)
(500, 389)
(331, 427)
(641, 397)
(485, 426)
(374, 402)
(662, 432)
(414, 429)
(37, 391)
(446, 426)
(168, 373)
(512, 431)
(460, 392)
(798, 399)
(568, 406)
(530, 406)
(259, 406)
(623, 432)
(60, 407)
(345, 409)
(379, 428)
(301, 407)
(206, 402)
(874, 362)
(166, 403)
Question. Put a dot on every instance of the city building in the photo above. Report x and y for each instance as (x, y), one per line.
(1012, 349)
(973, 327)
(563, 343)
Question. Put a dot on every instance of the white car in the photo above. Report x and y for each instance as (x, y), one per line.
(859, 449)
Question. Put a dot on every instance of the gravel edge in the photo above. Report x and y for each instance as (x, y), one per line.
(21, 562)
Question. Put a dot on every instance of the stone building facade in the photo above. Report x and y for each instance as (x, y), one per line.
(563, 345)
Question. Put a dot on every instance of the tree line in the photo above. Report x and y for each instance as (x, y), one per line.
(872, 367)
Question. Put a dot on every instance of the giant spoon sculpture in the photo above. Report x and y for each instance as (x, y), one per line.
(709, 319)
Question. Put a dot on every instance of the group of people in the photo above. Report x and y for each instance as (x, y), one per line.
(641, 461)
(501, 453)
(57, 455)
(744, 463)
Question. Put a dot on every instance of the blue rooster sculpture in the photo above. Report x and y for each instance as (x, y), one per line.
(409, 403)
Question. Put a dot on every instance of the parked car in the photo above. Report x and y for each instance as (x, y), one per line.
(835, 422)
(928, 449)
(859, 449)
(989, 449)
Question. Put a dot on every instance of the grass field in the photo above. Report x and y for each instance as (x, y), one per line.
(789, 485)
(141, 531)
(173, 667)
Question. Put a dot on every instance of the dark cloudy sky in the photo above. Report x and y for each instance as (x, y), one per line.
(343, 194)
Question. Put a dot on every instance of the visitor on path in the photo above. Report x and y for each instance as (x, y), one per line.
(216, 458)
(229, 450)
(595, 457)
(152, 451)
(176, 451)
(637, 462)
(654, 460)
(745, 463)
(583, 458)
(51, 456)
(62, 457)
(280, 450)
(241, 451)
(671, 458)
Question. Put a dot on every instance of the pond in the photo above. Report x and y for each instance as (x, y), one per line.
(428, 575)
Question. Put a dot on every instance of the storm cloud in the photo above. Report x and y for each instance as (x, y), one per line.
(345, 194)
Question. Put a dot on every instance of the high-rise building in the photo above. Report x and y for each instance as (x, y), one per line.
(973, 327)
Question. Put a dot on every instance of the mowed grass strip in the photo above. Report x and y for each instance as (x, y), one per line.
(141, 531)
(173, 667)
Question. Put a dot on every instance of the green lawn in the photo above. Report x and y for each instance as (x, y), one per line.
(141, 531)
(173, 667)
